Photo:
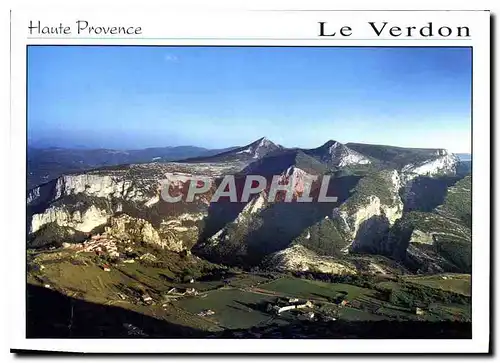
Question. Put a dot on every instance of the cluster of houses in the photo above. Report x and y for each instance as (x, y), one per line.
(176, 291)
(100, 244)
(206, 312)
(307, 310)
(103, 245)
(171, 295)
(289, 304)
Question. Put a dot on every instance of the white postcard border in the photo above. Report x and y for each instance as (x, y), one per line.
(480, 41)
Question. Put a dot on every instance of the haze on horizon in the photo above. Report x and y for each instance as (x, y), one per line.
(215, 97)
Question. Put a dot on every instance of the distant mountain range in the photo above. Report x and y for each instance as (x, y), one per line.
(45, 164)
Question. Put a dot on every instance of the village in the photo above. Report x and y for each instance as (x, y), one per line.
(111, 253)
(106, 246)
(230, 301)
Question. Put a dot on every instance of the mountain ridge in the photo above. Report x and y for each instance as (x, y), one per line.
(396, 241)
(369, 198)
(45, 164)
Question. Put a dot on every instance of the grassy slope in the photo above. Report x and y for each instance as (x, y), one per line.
(238, 305)
(458, 202)
(234, 309)
(459, 283)
(307, 289)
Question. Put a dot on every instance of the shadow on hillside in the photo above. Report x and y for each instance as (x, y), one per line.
(220, 214)
(371, 234)
(280, 223)
(383, 329)
(427, 193)
(223, 211)
(51, 314)
(284, 222)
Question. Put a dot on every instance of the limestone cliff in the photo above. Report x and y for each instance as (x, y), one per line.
(372, 209)
(443, 163)
(83, 221)
(84, 202)
(299, 258)
(124, 227)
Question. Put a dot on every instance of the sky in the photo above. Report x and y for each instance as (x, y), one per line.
(215, 97)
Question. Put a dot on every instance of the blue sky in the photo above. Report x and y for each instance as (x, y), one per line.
(135, 97)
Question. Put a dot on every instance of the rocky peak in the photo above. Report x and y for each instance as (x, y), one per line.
(331, 145)
(337, 154)
(244, 154)
(259, 148)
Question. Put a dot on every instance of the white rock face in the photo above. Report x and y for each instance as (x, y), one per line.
(186, 217)
(254, 206)
(264, 144)
(421, 237)
(33, 195)
(84, 222)
(381, 215)
(258, 148)
(372, 208)
(125, 227)
(299, 258)
(94, 185)
(176, 229)
(353, 158)
(116, 186)
(141, 183)
(340, 155)
(446, 163)
(119, 189)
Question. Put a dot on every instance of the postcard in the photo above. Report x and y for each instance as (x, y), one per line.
(250, 181)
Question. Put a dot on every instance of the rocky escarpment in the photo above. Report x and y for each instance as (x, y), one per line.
(124, 227)
(369, 213)
(299, 258)
(229, 244)
(428, 242)
(440, 239)
(337, 155)
(376, 221)
(266, 225)
(84, 202)
(410, 162)
(442, 163)
(116, 185)
(372, 214)
(140, 184)
(81, 220)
